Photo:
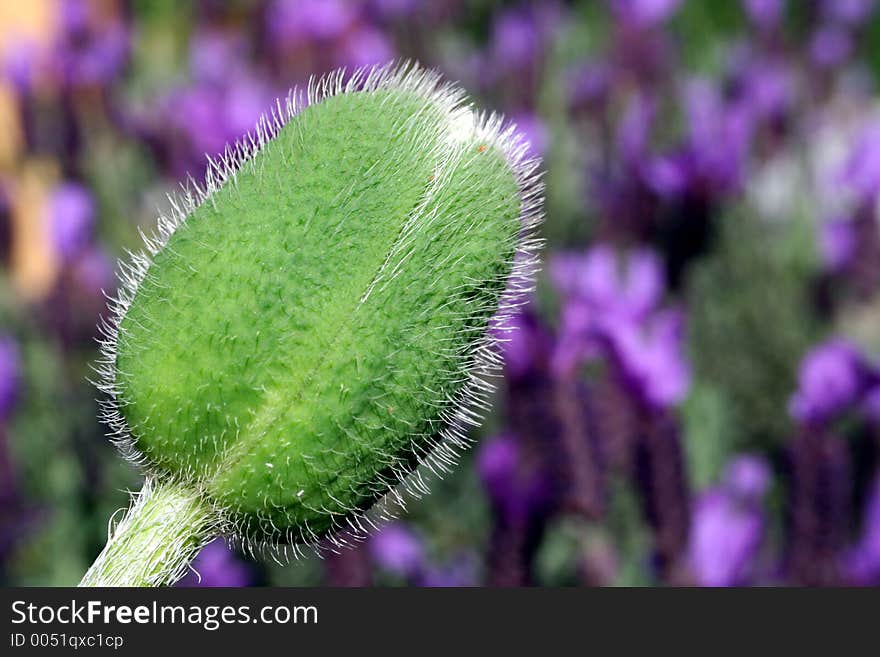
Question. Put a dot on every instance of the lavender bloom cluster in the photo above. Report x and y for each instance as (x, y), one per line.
(692, 394)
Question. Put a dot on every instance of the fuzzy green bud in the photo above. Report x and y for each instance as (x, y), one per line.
(319, 320)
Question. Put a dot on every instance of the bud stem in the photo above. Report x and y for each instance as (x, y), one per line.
(157, 539)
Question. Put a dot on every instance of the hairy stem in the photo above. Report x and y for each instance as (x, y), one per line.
(157, 539)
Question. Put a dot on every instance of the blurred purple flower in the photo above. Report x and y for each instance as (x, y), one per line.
(652, 358)
(728, 525)
(9, 376)
(215, 56)
(633, 137)
(217, 566)
(534, 131)
(851, 12)
(871, 405)
(460, 571)
(93, 272)
(393, 9)
(748, 477)
(497, 464)
(398, 550)
(20, 61)
(607, 301)
(202, 119)
(766, 14)
(72, 219)
(863, 561)
(293, 21)
(515, 485)
(832, 377)
(514, 40)
(830, 46)
(724, 539)
(861, 171)
(519, 37)
(589, 85)
(87, 53)
(524, 344)
(713, 157)
(365, 46)
(643, 13)
(629, 288)
(837, 243)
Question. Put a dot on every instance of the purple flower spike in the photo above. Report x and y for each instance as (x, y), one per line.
(515, 40)
(748, 477)
(366, 47)
(863, 561)
(838, 243)
(218, 566)
(832, 377)
(766, 14)
(644, 13)
(397, 549)
(72, 220)
(871, 405)
(497, 465)
(293, 21)
(861, 171)
(534, 131)
(9, 376)
(725, 537)
(88, 54)
(851, 12)
(652, 357)
(830, 46)
(461, 571)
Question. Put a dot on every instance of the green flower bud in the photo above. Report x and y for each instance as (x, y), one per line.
(320, 320)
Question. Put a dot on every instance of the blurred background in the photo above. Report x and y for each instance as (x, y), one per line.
(693, 394)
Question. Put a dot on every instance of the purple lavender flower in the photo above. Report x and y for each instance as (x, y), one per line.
(837, 243)
(832, 377)
(393, 9)
(217, 566)
(534, 131)
(728, 525)
(652, 358)
(293, 21)
(712, 158)
(871, 405)
(214, 56)
(634, 130)
(365, 46)
(20, 64)
(766, 14)
(747, 477)
(630, 289)
(611, 307)
(9, 376)
(89, 52)
(862, 563)
(460, 571)
(525, 345)
(397, 549)
(589, 85)
(724, 538)
(72, 220)
(203, 118)
(514, 41)
(644, 13)
(851, 12)
(830, 46)
(861, 171)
